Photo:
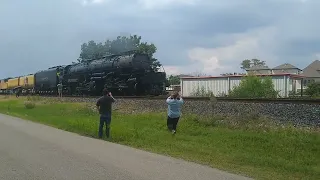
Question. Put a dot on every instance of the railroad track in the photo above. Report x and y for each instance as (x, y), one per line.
(221, 99)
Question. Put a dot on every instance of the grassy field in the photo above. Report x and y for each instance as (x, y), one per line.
(256, 149)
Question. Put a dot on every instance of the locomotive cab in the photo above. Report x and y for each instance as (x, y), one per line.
(141, 61)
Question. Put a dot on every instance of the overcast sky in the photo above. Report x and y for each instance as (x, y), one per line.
(212, 36)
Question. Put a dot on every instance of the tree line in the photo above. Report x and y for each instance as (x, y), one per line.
(97, 50)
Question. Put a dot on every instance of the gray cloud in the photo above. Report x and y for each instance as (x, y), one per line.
(38, 34)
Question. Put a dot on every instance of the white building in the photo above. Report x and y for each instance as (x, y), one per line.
(312, 73)
(220, 85)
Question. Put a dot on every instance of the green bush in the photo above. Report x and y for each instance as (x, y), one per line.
(202, 93)
(29, 104)
(313, 89)
(252, 86)
(33, 98)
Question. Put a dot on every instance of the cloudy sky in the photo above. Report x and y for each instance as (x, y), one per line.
(210, 36)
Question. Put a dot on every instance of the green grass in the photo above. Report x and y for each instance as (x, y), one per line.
(249, 148)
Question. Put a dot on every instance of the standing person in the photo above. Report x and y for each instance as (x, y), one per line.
(60, 89)
(18, 92)
(174, 111)
(104, 105)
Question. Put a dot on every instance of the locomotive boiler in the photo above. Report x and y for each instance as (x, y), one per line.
(128, 73)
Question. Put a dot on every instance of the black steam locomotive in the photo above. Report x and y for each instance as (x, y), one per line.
(125, 74)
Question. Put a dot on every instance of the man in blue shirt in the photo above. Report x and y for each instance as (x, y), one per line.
(174, 111)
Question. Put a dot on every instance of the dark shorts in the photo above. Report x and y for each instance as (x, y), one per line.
(172, 123)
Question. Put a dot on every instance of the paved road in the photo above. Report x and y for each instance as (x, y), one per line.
(31, 151)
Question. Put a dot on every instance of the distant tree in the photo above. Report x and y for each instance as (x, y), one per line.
(93, 50)
(174, 80)
(313, 89)
(245, 64)
(252, 86)
(256, 62)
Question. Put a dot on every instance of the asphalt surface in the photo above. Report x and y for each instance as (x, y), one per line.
(32, 151)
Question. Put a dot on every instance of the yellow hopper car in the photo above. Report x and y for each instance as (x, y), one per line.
(13, 83)
(26, 82)
(3, 85)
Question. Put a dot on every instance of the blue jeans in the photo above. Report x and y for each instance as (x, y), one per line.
(104, 119)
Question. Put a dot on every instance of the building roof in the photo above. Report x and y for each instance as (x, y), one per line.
(184, 75)
(258, 67)
(280, 74)
(313, 70)
(282, 66)
(286, 66)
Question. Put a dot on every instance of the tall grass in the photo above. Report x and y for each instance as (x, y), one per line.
(253, 147)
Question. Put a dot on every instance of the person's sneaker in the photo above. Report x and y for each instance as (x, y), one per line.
(173, 132)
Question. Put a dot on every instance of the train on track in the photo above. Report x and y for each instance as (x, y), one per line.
(126, 74)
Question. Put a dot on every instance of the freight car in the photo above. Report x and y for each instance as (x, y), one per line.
(26, 83)
(23, 84)
(3, 86)
(13, 83)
